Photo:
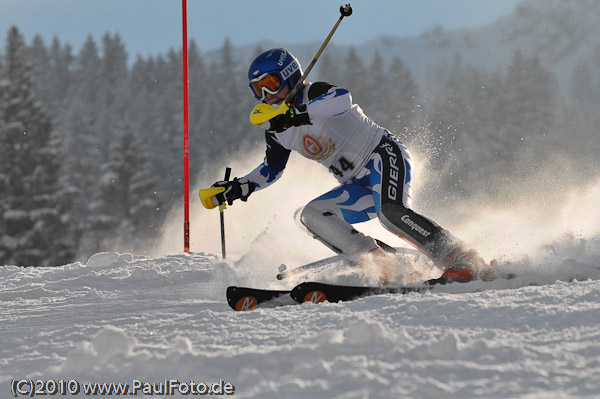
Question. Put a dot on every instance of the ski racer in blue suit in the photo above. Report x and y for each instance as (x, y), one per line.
(373, 168)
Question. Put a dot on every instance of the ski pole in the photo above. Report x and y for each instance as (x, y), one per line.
(345, 11)
(222, 215)
(333, 260)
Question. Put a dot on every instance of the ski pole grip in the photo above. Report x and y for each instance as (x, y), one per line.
(223, 206)
(346, 10)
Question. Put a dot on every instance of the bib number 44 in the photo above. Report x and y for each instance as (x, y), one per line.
(341, 167)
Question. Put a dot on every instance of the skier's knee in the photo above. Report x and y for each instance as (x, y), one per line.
(312, 219)
(304, 216)
(333, 231)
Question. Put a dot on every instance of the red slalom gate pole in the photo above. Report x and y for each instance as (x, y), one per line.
(186, 127)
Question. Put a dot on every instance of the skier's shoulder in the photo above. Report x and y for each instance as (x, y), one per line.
(321, 88)
(326, 99)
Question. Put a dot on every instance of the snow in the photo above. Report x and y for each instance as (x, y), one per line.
(125, 318)
(122, 317)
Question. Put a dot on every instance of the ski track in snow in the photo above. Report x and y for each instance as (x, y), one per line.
(119, 318)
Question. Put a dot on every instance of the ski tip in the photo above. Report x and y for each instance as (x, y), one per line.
(245, 303)
(314, 296)
(244, 298)
(240, 304)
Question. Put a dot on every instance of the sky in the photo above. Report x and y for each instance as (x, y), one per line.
(150, 27)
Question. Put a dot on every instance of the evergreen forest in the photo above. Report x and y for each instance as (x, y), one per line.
(91, 142)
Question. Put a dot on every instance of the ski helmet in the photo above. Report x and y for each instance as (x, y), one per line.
(271, 70)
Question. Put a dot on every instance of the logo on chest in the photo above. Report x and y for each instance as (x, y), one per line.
(317, 147)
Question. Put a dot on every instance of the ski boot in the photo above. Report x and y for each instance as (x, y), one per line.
(463, 266)
(383, 264)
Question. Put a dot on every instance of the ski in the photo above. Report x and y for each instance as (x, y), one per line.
(320, 292)
(316, 292)
(284, 272)
(312, 266)
(246, 298)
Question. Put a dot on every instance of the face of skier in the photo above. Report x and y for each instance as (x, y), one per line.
(277, 98)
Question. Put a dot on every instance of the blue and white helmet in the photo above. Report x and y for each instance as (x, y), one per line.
(271, 70)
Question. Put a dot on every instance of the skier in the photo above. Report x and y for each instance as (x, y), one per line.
(373, 167)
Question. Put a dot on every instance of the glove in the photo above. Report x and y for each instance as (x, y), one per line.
(296, 115)
(234, 189)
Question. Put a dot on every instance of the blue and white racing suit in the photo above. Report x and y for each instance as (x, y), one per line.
(373, 167)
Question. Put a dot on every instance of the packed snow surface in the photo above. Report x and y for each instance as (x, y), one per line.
(124, 318)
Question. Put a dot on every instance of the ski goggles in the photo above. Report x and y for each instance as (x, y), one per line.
(268, 82)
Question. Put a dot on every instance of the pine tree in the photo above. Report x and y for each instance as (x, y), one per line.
(6, 239)
(128, 208)
(354, 77)
(168, 147)
(87, 83)
(33, 202)
(404, 92)
(448, 114)
(112, 93)
(377, 102)
(582, 90)
(228, 106)
(41, 64)
(80, 173)
(52, 74)
(531, 106)
(328, 69)
(61, 63)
